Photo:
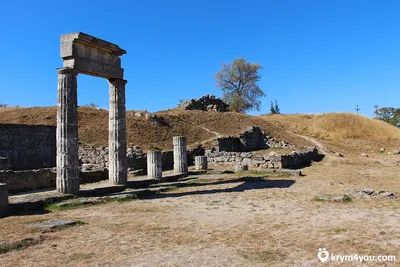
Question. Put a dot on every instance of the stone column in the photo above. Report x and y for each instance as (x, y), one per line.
(201, 162)
(180, 155)
(67, 132)
(3, 199)
(154, 165)
(117, 164)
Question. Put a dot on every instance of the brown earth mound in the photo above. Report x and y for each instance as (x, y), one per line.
(154, 131)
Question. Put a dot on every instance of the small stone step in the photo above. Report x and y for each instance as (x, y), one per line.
(51, 224)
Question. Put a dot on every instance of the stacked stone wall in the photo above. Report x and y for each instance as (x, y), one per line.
(293, 160)
(24, 147)
(251, 139)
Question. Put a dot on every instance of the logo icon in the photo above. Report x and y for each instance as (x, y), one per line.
(323, 255)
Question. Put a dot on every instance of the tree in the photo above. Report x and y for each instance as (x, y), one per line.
(388, 114)
(92, 105)
(272, 109)
(275, 108)
(238, 81)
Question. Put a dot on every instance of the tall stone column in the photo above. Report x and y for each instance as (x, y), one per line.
(201, 162)
(67, 132)
(180, 155)
(117, 164)
(154, 165)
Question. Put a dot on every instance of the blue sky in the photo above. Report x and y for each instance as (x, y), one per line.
(318, 56)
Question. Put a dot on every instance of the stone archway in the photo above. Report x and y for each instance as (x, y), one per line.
(82, 53)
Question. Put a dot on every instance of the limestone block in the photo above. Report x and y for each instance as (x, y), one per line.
(91, 55)
(240, 168)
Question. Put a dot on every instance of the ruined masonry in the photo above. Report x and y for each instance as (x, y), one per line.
(154, 164)
(180, 155)
(3, 199)
(82, 53)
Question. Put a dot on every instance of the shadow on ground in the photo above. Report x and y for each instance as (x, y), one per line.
(248, 183)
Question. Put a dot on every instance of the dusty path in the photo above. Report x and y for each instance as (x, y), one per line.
(208, 130)
(223, 221)
(320, 146)
(212, 132)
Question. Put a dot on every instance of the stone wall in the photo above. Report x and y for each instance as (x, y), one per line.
(24, 147)
(19, 181)
(293, 160)
(96, 158)
(206, 102)
(28, 179)
(250, 140)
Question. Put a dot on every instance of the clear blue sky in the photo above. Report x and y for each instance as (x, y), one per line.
(318, 56)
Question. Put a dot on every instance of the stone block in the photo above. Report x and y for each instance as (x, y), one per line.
(91, 55)
(241, 168)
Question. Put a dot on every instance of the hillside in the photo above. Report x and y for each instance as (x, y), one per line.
(346, 132)
(197, 126)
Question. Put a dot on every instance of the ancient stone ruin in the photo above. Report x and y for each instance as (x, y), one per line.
(82, 53)
(206, 102)
(239, 151)
(180, 155)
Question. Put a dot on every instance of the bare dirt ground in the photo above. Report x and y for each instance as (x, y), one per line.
(221, 221)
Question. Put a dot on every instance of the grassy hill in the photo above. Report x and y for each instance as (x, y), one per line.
(346, 132)
(197, 126)
(343, 132)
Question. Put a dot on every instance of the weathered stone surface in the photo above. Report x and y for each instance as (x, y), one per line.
(370, 193)
(323, 197)
(338, 198)
(67, 132)
(241, 168)
(91, 55)
(201, 163)
(24, 147)
(180, 155)
(4, 163)
(207, 102)
(154, 165)
(3, 199)
(117, 133)
(293, 160)
(340, 155)
(51, 224)
(28, 179)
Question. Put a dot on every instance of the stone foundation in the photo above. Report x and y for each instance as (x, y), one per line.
(251, 139)
(293, 160)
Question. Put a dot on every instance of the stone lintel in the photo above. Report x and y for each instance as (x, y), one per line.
(89, 40)
(92, 56)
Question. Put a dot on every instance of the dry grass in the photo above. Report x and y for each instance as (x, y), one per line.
(344, 131)
(93, 125)
(213, 223)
